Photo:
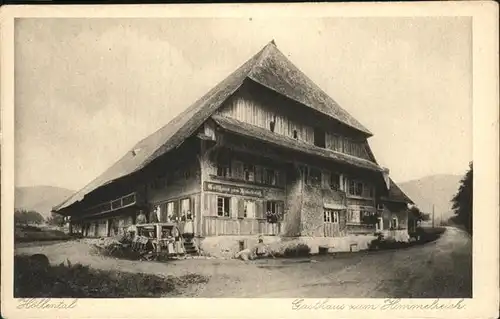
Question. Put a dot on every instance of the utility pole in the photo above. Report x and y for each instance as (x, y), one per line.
(432, 215)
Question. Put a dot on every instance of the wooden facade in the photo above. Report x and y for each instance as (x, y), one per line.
(233, 185)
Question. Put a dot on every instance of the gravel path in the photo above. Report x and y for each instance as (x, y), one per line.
(438, 269)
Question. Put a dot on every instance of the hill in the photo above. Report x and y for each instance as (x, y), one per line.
(434, 189)
(40, 198)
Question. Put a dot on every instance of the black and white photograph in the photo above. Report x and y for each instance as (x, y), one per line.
(243, 157)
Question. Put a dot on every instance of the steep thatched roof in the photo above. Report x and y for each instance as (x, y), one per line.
(395, 194)
(252, 131)
(269, 67)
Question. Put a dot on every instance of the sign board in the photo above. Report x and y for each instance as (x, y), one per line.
(233, 190)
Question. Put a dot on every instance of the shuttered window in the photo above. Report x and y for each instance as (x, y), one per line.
(249, 209)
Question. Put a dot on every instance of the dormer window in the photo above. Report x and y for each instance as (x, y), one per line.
(319, 137)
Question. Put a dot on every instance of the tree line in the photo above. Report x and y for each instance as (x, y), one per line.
(32, 217)
(462, 202)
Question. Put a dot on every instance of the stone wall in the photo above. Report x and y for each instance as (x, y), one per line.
(293, 204)
(312, 211)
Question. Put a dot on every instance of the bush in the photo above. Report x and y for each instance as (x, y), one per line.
(298, 250)
(78, 281)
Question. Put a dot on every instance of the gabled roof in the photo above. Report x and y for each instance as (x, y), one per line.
(252, 131)
(395, 194)
(269, 67)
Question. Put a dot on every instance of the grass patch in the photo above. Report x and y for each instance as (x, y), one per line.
(31, 233)
(34, 278)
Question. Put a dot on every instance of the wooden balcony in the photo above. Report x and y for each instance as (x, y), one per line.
(214, 226)
(113, 205)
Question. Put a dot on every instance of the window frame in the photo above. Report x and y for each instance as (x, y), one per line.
(250, 170)
(330, 184)
(245, 212)
(223, 166)
(224, 206)
(331, 216)
(316, 181)
(266, 175)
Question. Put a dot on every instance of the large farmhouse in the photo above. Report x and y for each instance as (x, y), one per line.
(265, 152)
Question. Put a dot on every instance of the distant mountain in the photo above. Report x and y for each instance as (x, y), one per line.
(435, 189)
(40, 198)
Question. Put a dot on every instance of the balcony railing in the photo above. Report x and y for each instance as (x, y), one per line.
(116, 204)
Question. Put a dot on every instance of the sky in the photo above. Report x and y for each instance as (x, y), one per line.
(86, 90)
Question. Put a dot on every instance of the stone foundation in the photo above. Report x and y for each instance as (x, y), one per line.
(339, 244)
(228, 246)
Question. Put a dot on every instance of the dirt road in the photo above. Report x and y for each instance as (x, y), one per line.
(438, 269)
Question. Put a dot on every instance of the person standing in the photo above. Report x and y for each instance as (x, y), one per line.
(188, 231)
(141, 218)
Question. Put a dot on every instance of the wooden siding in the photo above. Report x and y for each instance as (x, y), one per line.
(245, 108)
(331, 230)
(214, 226)
(176, 185)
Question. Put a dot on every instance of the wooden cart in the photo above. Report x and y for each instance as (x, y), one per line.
(158, 241)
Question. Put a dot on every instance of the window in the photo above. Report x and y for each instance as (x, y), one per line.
(223, 168)
(353, 216)
(185, 207)
(319, 137)
(331, 216)
(334, 182)
(249, 209)
(170, 211)
(270, 176)
(314, 176)
(249, 172)
(223, 206)
(367, 216)
(336, 143)
(355, 188)
(274, 211)
(394, 222)
(295, 134)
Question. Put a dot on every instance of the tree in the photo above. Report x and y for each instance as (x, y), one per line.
(462, 201)
(418, 215)
(55, 220)
(26, 217)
